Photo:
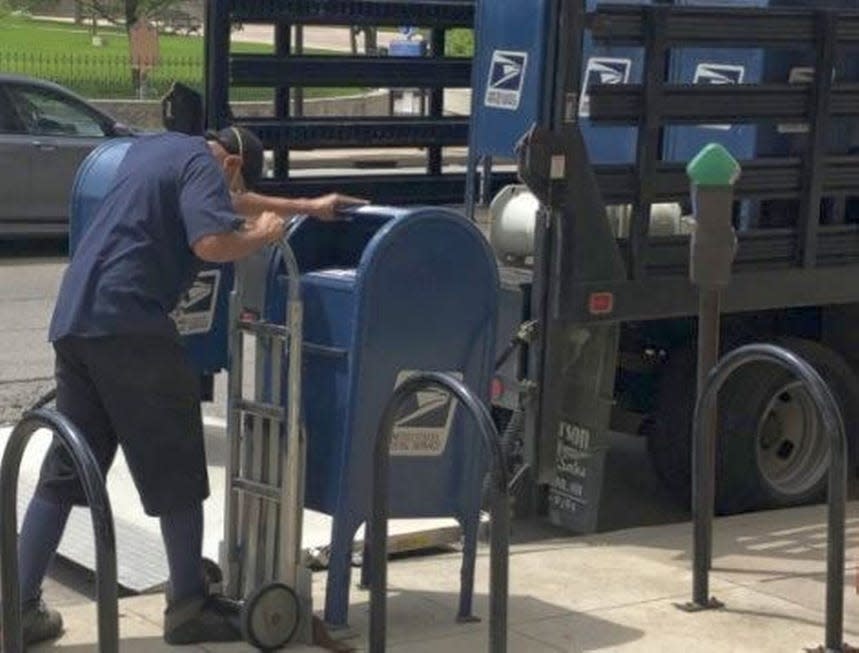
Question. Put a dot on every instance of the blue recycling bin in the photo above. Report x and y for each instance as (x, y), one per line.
(388, 292)
(201, 316)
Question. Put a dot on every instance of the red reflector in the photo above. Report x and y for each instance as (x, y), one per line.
(497, 388)
(601, 303)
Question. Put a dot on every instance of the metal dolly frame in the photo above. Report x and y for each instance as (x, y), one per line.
(267, 448)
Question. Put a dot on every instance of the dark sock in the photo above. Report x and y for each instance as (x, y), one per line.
(40, 536)
(183, 539)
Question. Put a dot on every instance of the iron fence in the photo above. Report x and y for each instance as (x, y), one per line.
(111, 76)
(104, 76)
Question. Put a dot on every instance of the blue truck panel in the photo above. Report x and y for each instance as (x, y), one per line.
(508, 73)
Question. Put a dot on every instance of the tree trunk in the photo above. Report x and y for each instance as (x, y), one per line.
(132, 8)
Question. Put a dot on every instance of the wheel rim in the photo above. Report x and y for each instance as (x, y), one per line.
(271, 617)
(791, 447)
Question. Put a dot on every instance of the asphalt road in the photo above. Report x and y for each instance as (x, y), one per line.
(30, 273)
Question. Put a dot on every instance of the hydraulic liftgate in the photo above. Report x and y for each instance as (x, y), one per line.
(287, 70)
(587, 282)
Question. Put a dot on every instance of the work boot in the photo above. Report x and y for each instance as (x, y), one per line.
(39, 623)
(202, 619)
(213, 577)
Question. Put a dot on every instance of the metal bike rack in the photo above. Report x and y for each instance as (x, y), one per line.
(703, 481)
(499, 508)
(88, 471)
(45, 399)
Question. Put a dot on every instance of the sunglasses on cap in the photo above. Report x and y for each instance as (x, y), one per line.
(230, 139)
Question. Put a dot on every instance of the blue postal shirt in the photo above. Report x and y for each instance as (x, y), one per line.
(135, 260)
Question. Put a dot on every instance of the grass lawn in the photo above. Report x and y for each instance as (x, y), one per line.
(21, 34)
(64, 53)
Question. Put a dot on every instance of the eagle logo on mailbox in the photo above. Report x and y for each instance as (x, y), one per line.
(196, 309)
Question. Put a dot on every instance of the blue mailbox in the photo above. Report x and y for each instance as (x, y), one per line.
(201, 316)
(388, 292)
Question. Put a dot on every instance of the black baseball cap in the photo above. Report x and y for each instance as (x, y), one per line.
(244, 143)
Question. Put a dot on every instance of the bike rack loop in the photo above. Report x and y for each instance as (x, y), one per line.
(703, 488)
(499, 508)
(105, 541)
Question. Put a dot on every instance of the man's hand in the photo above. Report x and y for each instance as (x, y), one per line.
(326, 207)
(265, 229)
(270, 226)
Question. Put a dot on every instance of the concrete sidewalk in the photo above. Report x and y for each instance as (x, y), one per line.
(612, 592)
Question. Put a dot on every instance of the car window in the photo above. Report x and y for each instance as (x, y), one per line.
(8, 122)
(46, 113)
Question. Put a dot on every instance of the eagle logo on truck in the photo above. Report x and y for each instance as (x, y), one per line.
(603, 70)
(716, 74)
(506, 79)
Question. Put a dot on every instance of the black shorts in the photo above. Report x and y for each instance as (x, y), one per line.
(138, 392)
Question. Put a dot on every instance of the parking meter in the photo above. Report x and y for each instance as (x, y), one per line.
(713, 173)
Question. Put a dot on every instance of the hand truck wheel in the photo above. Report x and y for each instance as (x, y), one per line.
(270, 616)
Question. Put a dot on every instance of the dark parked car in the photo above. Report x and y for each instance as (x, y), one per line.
(45, 133)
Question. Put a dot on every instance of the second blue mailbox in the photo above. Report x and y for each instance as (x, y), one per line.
(387, 292)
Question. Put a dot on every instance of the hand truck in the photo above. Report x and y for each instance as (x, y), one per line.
(261, 554)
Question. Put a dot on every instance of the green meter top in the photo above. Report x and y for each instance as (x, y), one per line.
(713, 166)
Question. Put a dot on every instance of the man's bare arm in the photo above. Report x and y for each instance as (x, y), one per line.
(235, 245)
(250, 205)
(325, 207)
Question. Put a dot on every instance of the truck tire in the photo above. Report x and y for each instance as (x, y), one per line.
(668, 429)
(771, 450)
